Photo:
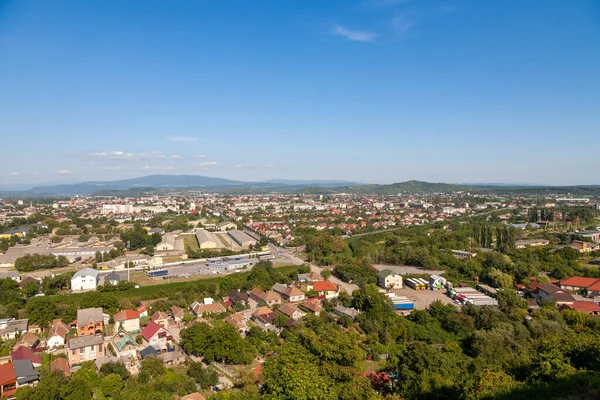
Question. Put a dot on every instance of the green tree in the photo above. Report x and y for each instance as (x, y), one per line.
(154, 366)
(294, 374)
(41, 310)
(205, 377)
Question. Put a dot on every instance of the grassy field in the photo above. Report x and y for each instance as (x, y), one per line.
(222, 239)
(190, 242)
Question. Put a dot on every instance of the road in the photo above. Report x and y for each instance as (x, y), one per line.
(289, 256)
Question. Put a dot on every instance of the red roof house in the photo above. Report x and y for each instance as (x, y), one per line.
(8, 380)
(25, 353)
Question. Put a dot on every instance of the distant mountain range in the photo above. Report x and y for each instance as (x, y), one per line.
(197, 182)
(156, 182)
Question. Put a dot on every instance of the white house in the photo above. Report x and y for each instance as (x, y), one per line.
(85, 279)
(387, 279)
(157, 336)
(128, 319)
(57, 334)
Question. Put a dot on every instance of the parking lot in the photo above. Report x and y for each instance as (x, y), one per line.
(423, 298)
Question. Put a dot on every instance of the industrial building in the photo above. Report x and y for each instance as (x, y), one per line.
(242, 238)
(206, 240)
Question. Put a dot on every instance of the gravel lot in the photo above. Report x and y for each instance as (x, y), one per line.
(423, 298)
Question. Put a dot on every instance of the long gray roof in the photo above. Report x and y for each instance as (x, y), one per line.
(86, 272)
(87, 315)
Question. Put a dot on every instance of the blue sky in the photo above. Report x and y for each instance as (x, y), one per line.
(369, 90)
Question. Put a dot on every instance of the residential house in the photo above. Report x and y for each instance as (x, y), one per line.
(289, 293)
(173, 357)
(60, 365)
(269, 297)
(208, 309)
(157, 336)
(264, 316)
(85, 348)
(28, 279)
(125, 344)
(577, 283)
(112, 278)
(177, 314)
(84, 280)
(127, 320)
(26, 374)
(237, 296)
(8, 380)
(14, 328)
(345, 311)
(387, 279)
(588, 307)
(463, 254)
(238, 321)
(149, 351)
(522, 244)
(584, 247)
(57, 334)
(28, 340)
(314, 306)
(309, 277)
(161, 318)
(90, 321)
(548, 292)
(326, 288)
(292, 311)
(14, 275)
(25, 353)
(142, 310)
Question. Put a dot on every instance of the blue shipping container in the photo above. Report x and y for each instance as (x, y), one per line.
(404, 306)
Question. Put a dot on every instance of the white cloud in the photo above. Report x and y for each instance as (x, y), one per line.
(123, 155)
(13, 174)
(64, 172)
(113, 155)
(115, 168)
(182, 139)
(269, 165)
(357, 36)
(209, 164)
(175, 156)
(200, 156)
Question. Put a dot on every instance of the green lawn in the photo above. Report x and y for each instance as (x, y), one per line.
(190, 242)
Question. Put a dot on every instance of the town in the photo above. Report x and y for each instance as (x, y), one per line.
(202, 289)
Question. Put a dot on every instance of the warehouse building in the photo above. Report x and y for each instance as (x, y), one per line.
(241, 238)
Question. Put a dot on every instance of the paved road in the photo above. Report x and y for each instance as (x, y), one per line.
(407, 269)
